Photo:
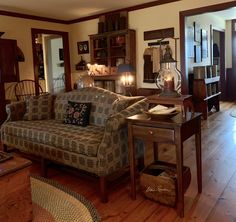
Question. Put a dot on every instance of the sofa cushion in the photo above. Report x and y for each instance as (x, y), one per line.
(81, 140)
(101, 101)
(77, 113)
(39, 107)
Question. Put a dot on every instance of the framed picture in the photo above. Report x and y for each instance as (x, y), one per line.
(197, 32)
(190, 42)
(61, 54)
(197, 54)
(204, 43)
(83, 47)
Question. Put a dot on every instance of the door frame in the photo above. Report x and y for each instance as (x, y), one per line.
(65, 40)
(182, 18)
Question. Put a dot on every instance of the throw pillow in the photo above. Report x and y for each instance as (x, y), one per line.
(77, 113)
(39, 107)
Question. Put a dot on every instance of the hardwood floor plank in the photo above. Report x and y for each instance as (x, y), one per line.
(216, 203)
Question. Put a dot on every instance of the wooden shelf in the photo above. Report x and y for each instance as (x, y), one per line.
(212, 80)
(106, 77)
(117, 45)
(209, 97)
(206, 95)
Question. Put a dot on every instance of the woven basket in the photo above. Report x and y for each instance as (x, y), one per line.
(158, 182)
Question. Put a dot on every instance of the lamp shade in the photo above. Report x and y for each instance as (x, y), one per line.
(125, 68)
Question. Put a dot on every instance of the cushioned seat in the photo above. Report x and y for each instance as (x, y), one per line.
(81, 140)
(100, 147)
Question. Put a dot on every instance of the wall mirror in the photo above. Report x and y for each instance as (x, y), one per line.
(51, 60)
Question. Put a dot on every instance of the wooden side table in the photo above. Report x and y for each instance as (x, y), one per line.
(185, 101)
(15, 195)
(175, 131)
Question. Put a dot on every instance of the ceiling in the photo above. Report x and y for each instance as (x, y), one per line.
(77, 9)
(227, 14)
(67, 9)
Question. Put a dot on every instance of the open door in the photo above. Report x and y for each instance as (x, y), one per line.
(65, 53)
(218, 58)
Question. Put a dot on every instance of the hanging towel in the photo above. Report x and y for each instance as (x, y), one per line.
(154, 52)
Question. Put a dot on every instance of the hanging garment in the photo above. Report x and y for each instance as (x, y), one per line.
(151, 58)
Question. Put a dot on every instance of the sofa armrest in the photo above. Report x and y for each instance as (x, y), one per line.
(15, 111)
(118, 120)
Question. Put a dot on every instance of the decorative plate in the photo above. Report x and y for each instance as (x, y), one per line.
(161, 116)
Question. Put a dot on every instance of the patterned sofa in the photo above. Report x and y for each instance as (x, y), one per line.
(100, 148)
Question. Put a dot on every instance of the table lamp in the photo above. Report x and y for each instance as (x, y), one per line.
(127, 78)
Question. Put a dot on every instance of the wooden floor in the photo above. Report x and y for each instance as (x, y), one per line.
(217, 201)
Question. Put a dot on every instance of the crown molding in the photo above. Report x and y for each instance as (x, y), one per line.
(39, 18)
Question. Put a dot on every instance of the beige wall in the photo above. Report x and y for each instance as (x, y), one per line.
(163, 16)
(158, 17)
(20, 29)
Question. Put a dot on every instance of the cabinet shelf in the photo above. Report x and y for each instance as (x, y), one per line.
(206, 95)
(212, 80)
(211, 96)
(118, 47)
(106, 77)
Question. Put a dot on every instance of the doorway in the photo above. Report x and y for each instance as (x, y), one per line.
(183, 55)
(218, 58)
(51, 59)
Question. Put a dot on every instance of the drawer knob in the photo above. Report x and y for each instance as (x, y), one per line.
(150, 132)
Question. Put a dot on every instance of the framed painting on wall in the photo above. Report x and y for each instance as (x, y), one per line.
(197, 32)
(204, 43)
(190, 42)
(197, 54)
(83, 47)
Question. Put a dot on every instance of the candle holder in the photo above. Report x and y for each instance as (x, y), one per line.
(169, 77)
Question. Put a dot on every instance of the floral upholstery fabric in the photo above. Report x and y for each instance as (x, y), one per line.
(100, 148)
(77, 113)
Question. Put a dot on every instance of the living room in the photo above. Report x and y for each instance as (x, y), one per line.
(156, 17)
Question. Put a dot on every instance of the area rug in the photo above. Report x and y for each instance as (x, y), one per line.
(233, 113)
(53, 202)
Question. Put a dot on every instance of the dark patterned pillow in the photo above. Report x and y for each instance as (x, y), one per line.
(77, 113)
(39, 107)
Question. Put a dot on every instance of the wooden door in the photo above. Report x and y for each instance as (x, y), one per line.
(8, 61)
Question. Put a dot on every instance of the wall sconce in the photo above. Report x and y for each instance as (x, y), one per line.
(169, 77)
(127, 78)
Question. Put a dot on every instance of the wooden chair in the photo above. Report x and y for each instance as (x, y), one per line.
(26, 88)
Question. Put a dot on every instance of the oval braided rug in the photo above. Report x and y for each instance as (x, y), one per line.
(53, 202)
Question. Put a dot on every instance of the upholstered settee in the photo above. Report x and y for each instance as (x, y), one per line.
(100, 148)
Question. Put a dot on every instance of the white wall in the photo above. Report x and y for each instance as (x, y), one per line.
(228, 45)
(204, 20)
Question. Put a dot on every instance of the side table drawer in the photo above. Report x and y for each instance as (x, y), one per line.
(154, 134)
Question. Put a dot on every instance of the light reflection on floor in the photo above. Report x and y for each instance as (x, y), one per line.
(234, 131)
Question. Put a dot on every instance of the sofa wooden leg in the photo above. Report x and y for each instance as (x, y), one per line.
(103, 189)
(141, 163)
(4, 148)
(44, 167)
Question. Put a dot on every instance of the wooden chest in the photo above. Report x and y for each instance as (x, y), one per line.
(15, 193)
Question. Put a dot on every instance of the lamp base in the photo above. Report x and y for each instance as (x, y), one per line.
(170, 94)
